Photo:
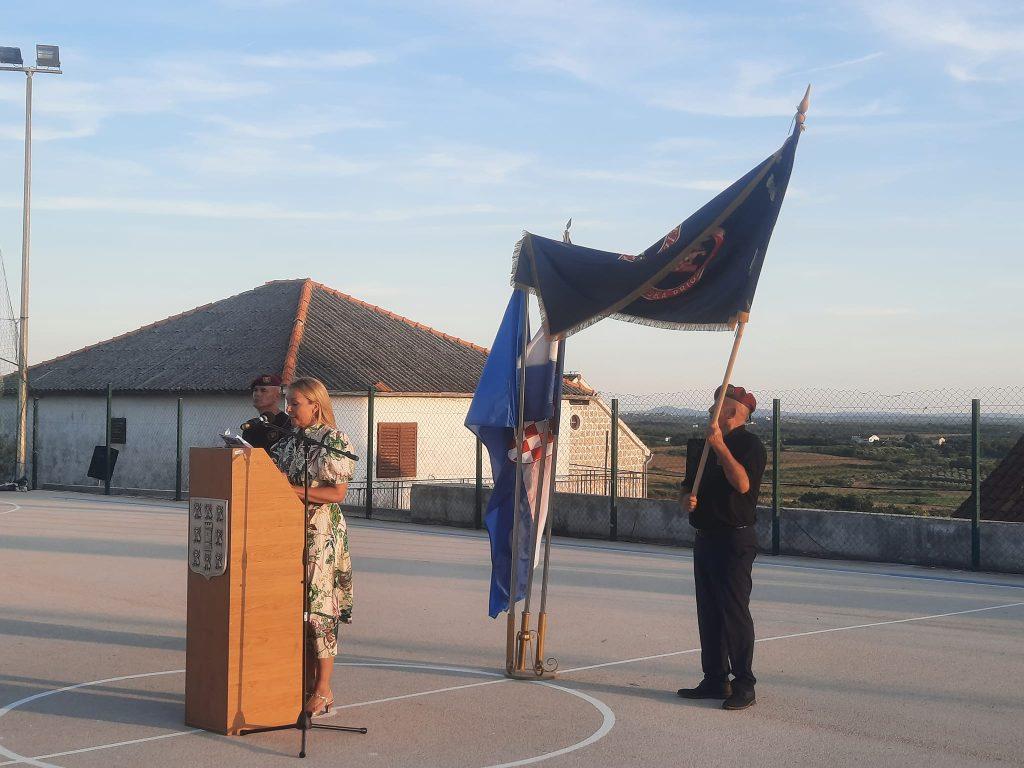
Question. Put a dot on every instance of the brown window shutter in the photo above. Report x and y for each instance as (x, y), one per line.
(396, 450)
(407, 449)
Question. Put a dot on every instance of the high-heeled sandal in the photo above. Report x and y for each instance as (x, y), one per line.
(326, 705)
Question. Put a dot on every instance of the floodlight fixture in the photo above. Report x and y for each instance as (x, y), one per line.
(48, 56)
(11, 56)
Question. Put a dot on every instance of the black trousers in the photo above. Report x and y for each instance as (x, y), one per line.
(722, 561)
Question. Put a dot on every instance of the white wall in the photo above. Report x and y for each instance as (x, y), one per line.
(71, 425)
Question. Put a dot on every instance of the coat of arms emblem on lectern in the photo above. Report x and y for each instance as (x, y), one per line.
(208, 536)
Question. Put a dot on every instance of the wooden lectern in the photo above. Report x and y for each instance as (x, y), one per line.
(243, 648)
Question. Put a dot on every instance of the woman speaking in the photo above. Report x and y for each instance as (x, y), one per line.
(328, 565)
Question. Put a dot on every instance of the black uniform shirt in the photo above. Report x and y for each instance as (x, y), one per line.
(262, 436)
(719, 505)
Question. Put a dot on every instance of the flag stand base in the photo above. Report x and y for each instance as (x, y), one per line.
(529, 674)
(524, 643)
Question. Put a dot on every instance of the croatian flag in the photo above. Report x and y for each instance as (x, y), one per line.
(493, 416)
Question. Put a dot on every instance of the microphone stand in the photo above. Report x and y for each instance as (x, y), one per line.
(304, 722)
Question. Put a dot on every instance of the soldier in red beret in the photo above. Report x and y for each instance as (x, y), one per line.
(722, 512)
(266, 399)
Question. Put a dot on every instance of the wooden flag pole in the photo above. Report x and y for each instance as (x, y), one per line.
(513, 587)
(525, 637)
(743, 317)
(542, 666)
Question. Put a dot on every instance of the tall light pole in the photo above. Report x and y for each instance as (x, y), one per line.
(47, 60)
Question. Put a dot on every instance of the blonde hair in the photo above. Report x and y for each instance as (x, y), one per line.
(315, 391)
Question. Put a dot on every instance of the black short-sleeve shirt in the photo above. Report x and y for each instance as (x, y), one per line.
(262, 436)
(719, 505)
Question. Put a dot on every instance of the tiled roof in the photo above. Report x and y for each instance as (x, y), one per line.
(215, 347)
(350, 345)
(1002, 492)
(292, 327)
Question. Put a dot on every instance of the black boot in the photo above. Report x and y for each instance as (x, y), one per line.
(740, 699)
(707, 689)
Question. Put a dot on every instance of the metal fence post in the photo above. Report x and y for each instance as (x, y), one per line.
(369, 452)
(976, 484)
(106, 467)
(35, 443)
(478, 509)
(178, 451)
(776, 458)
(613, 490)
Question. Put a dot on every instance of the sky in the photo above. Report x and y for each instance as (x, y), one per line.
(395, 151)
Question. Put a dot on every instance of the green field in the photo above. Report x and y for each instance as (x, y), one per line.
(916, 467)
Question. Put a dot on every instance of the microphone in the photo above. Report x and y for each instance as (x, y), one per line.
(262, 420)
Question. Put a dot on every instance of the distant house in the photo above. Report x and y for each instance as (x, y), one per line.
(423, 381)
(1002, 492)
(858, 440)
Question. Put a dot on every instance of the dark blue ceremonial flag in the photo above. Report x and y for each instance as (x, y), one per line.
(701, 276)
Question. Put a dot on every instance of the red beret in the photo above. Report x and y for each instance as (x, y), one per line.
(740, 395)
(266, 380)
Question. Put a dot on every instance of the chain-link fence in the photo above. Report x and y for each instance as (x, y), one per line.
(844, 458)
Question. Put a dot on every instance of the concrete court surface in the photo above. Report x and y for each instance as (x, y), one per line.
(858, 664)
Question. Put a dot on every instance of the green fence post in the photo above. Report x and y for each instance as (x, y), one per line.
(106, 467)
(369, 452)
(976, 484)
(179, 454)
(776, 458)
(478, 510)
(613, 490)
(35, 443)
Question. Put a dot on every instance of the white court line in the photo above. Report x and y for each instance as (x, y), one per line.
(502, 679)
(103, 746)
(607, 716)
(18, 758)
(800, 634)
(360, 522)
(14, 507)
(607, 723)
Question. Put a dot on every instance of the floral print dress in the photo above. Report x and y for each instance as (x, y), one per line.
(328, 564)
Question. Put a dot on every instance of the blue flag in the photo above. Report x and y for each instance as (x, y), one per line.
(702, 275)
(493, 417)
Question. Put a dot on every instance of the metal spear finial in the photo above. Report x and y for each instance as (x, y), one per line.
(801, 110)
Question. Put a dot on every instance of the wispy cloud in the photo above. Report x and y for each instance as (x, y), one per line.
(247, 4)
(868, 311)
(80, 106)
(469, 165)
(275, 160)
(295, 126)
(653, 179)
(845, 64)
(982, 41)
(211, 209)
(761, 89)
(343, 59)
(594, 41)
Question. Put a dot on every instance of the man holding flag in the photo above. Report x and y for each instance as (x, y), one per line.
(701, 275)
(723, 511)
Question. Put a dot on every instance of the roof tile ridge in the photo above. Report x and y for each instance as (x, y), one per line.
(298, 328)
(126, 334)
(402, 318)
(147, 327)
